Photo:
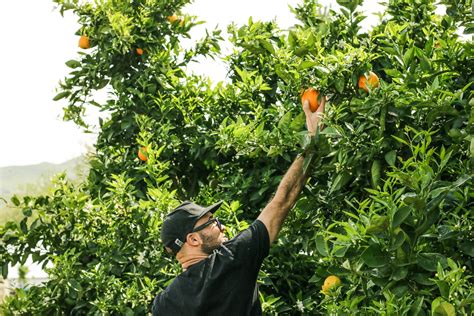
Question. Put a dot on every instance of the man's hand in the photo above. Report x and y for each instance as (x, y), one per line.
(313, 118)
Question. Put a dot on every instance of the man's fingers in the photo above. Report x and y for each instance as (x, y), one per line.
(306, 108)
(323, 101)
(306, 105)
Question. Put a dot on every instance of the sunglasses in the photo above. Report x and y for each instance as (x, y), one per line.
(209, 222)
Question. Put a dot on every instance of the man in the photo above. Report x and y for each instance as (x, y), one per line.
(220, 275)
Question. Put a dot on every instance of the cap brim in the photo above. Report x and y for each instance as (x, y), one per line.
(214, 207)
(211, 208)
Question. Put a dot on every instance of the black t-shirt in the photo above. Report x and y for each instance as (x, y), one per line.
(222, 284)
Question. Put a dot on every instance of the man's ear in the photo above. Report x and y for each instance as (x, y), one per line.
(194, 239)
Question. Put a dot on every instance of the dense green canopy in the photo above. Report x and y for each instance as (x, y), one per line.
(388, 206)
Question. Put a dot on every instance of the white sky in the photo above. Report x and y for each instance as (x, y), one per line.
(37, 41)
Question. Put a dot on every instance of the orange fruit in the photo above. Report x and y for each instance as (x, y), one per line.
(142, 154)
(173, 18)
(373, 80)
(139, 51)
(84, 42)
(330, 282)
(311, 95)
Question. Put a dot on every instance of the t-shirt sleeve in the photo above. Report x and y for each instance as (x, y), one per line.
(251, 245)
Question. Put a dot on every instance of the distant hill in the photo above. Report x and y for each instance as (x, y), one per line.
(34, 180)
(24, 179)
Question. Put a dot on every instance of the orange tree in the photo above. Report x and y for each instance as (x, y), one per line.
(388, 205)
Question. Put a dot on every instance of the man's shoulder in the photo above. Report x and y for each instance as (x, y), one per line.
(254, 240)
(255, 230)
(256, 225)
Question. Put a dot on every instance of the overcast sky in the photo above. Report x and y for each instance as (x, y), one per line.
(37, 41)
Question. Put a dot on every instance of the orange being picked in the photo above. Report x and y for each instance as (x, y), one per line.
(142, 154)
(139, 51)
(84, 42)
(173, 18)
(331, 281)
(372, 79)
(311, 95)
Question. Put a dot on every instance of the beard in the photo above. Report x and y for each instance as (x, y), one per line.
(209, 244)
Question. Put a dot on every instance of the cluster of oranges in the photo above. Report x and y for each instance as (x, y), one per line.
(365, 81)
(84, 41)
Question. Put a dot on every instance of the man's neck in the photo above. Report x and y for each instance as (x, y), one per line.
(188, 259)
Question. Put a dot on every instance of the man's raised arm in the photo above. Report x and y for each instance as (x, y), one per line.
(275, 213)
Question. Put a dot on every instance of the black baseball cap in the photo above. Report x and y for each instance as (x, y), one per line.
(181, 221)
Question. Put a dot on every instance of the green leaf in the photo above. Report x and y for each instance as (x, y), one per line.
(436, 192)
(73, 64)
(339, 84)
(471, 148)
(422, 278)
(350, 4)
(292, 39)
(102, 84)
(391, 157)
(374, 257)
(462, 179)
(5, 270)
(61, 95)
(285, 120)
(417, 306)
(306, 64)
(331, 131)
(393, 73)
(429, 261)
(435, 84)
(27, 211)
(400, 215)
(408, 56)
(23, 226)
(340, 181)
(401, 140)
(400, 290)
(15, 200)
(268, 46)
(375, 173)
(339, 250)
(321, 245)
(315, 278)
(298, 122)
(467, 247)
(399, 273)
(378, 224)
(443, 288)
(282, 73)
(425, 63)
(444, 309)
(397, 241)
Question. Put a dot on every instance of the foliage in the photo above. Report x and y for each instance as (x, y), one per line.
(388, 204)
